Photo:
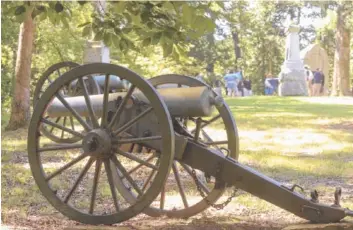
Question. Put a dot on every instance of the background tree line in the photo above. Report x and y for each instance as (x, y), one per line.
(152, 38)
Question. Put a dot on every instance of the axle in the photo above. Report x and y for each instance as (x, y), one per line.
(232, 172)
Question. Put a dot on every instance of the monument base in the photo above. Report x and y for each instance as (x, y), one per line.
(292, 82)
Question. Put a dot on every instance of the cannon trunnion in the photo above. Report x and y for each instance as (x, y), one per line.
(126, 150)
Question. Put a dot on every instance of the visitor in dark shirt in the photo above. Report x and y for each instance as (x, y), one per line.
(318, 81)
(247, 87)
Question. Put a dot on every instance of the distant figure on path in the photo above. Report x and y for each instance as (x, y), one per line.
(318, 81)
(268, 86)
(231, 83)
(309, 80)
(247, 87)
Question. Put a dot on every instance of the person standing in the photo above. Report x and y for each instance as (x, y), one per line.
(268, 86)
(247, 87)
(231, 83)
(318, 81)
(309, 80)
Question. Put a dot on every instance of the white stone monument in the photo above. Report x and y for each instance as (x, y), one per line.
(292, 76)
(96, 51)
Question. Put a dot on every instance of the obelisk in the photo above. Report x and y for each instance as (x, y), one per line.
(292, 76)
(96, 51)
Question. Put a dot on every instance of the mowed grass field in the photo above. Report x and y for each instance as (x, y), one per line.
(295, 140)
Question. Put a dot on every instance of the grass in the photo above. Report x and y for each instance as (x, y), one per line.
(308, 141)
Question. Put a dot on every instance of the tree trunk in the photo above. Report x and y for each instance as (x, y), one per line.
(237, 53)
(340, 81)
(20, 106)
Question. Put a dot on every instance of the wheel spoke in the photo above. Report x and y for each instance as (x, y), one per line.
(148, 180)
(56, 121)
(180, 186)
(74, 113)
(131, 148)
(60, 147)
(136, 140)
(132, 121)
(105, 101)
(134, 158)
(58, 72)
(207, 122)
(198, 129)
(62, 128)
(115, 118)
(95, 183)
(72, 123)
(68, 165)
(139, 166)
(62, 131)
(78, 180)
(88, 103)
(126, 175)
(216, 142)
(197, 181)
(108, 171)
(209, 139)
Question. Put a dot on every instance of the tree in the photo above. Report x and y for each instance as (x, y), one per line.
(26, 14)
(20, 107)
(342, 36)
(341, 76)
(168, 24)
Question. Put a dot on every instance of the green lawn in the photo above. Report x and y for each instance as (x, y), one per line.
(308, 141)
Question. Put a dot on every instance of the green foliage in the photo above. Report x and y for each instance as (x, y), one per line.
(137, 25)
(9, 35)
(58, 38)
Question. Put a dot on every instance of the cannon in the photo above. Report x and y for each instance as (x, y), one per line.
(102, 179)
(94, 86)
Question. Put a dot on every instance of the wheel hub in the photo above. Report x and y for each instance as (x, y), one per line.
(98, 142)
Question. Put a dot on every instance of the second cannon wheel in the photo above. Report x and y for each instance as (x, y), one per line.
(180, 197)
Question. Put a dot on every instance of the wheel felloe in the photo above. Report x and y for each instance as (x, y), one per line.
(77, 179)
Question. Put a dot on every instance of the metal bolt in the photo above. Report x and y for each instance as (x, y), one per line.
(93, 144)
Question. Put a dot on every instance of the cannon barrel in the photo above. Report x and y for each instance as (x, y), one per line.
(181, 102)
(114, 82)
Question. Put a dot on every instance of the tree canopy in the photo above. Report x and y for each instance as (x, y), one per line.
(162, 37)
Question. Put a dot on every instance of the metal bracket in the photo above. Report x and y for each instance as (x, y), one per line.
(180, 145)
(310, 211)
(293, 187)
(338, 194)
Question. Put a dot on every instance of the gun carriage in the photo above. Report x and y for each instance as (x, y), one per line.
(131, 147)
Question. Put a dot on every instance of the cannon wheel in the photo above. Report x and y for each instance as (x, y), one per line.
(65, 194)
(52, 73)
(219, 187)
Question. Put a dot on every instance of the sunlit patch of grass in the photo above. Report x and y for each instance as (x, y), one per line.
(253, 202)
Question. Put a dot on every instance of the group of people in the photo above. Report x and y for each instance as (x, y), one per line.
(236, 85)
(233, 82)
(315, 81)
